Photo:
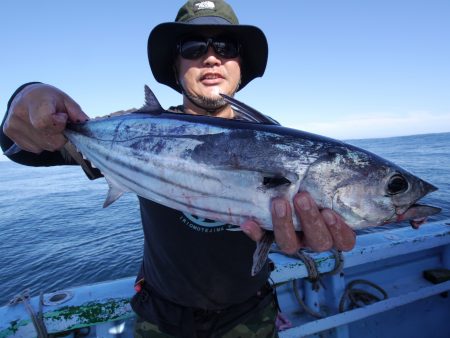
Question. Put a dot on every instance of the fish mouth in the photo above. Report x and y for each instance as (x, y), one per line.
(416, 214)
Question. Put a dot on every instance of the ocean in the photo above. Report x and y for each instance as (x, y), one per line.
(55, 234)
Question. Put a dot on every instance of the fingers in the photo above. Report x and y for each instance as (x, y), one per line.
(50, 109)
(283, 226)
(322, 229)
(59, 122)
(252, 230)
(38, 116)
(344, 238)
(316, 234)
(74, 111)
(40, 110)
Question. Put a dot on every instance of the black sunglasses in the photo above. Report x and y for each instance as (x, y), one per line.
(193, 48)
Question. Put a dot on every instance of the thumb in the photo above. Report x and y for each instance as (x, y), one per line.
(59, 121)
(252, 230)
(74, 111)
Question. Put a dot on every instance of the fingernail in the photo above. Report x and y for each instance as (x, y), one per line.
(303, 203)
(280, 208)
(329, 217)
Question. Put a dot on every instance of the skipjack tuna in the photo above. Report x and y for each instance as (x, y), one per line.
(230, 170)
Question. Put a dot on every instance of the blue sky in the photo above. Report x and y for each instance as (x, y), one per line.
(346, 69)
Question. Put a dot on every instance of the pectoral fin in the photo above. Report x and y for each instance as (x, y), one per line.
(262, 251)
(114, 193)
(77, 157)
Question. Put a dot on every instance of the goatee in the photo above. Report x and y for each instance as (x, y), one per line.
(210, 104)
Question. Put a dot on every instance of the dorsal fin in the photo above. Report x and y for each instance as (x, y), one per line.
(248, 113)
(151, 104)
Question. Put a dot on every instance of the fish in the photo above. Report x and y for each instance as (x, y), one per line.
(230, 170)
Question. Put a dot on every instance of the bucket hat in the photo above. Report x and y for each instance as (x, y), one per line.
(199, 17)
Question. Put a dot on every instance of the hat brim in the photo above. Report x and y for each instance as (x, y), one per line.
(164, 37)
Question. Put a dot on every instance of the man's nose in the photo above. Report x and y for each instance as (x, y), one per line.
(211, 57)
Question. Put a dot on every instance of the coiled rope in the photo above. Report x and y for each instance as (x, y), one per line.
(358, 297)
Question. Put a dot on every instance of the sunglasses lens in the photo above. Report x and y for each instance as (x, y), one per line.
(193, 49)
(227, 49)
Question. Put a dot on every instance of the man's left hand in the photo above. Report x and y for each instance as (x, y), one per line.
(322, 230)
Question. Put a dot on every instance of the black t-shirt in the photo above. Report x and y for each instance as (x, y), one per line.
(197, 262)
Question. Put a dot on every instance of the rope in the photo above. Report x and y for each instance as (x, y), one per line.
(310, 265)
(359, 297)
(356, 297)
(37, 320)
(305, 307)
(338, 263)
(314, 275)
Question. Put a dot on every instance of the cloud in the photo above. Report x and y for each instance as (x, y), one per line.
(380, 125)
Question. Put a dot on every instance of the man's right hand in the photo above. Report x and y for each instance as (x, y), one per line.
(38, 116)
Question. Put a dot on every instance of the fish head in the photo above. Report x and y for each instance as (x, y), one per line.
(405, 189)
(365, 189)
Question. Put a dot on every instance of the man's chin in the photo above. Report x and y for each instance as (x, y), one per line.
(213, 93)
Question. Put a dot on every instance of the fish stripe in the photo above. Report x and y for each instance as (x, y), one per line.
(188, 207)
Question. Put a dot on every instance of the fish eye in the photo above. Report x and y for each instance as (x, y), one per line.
(397, 184)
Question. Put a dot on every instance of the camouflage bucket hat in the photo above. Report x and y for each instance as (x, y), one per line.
(201, 17)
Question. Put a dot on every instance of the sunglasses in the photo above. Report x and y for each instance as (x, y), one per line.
(193, 48)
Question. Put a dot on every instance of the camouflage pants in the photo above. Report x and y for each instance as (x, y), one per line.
(260, 325)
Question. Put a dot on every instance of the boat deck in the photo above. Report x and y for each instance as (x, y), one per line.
(393, 261)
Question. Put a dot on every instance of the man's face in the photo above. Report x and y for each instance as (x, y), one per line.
(203, 78)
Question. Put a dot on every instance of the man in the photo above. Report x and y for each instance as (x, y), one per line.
(194, 281)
